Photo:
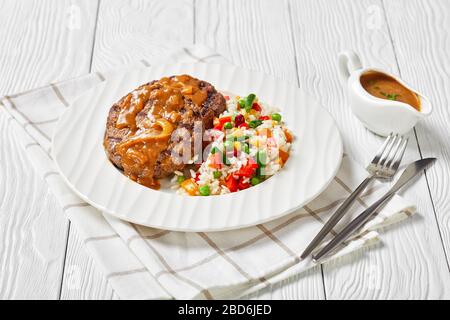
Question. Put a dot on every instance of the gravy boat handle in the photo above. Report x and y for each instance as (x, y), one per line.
(349, 62)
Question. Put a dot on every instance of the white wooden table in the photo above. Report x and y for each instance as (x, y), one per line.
(297, 40)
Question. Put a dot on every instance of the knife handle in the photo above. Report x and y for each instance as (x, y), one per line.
(336, 217)
(356, 223)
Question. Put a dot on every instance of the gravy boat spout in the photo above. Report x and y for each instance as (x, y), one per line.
(425, 105)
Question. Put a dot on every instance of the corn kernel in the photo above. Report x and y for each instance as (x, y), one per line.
(254, 141)
(237, 132)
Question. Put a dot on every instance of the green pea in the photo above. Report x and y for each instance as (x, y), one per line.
(217, 174)
(204, 190)
(276, 117)
(180, 179)
(255, 180)
(228, 125)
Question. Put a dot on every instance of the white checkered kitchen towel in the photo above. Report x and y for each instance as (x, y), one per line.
(146, 263)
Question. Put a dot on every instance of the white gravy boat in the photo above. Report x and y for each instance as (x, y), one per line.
(379, 115)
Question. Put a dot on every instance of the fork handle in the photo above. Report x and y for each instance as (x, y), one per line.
(336, 217)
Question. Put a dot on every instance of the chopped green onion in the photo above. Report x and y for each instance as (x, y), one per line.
(255, 123)
(255, 180)
(204, 190)
(246, 148)
(393, 96)
(249, 101)
(180, 179)
(228, 125)
(276, 117)
(390, 96)
(217, 174)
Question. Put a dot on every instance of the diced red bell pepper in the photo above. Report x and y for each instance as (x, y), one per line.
(245, 172)
(251, 162)
(264, 118)
(248, 170)
(231, 183)
(224, 120)
(227, 98)
(244, 125)
(243, 185)
(218, 127)
(256, 107)
(197, 177)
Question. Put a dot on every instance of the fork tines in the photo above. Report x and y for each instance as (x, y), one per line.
(391, 153)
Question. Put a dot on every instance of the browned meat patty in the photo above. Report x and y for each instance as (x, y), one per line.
(181, 100)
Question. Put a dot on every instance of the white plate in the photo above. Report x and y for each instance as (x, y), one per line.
(81, 159)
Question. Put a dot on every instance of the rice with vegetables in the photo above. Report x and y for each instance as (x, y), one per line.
(250, 143)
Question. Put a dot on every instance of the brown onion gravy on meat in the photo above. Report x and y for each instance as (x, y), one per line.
(141, 148)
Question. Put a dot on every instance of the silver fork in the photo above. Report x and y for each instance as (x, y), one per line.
(383, 166)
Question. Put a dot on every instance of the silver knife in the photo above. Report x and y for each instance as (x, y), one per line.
(410, 172)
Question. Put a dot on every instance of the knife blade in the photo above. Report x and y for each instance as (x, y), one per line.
(410, 172)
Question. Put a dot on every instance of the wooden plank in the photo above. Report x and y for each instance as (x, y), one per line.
(256, 34)
(35, 35)
(410, 264)
(33, 229)
(82, 279)
(44, 41)
(420, 34)
(127, 32)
